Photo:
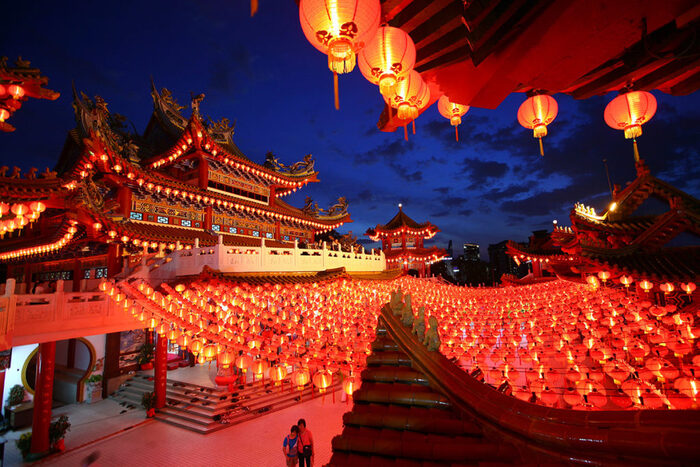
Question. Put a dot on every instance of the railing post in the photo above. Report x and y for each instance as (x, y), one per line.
(59, 299)
(196, 242)
(263, 254)
(323, 255)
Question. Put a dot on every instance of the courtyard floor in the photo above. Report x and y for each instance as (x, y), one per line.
(126, 438)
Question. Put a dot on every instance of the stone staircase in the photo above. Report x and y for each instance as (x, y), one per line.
(206, 410)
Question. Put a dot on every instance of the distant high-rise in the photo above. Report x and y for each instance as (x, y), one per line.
(472, 252)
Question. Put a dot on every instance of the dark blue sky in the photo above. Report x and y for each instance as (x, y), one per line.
(261, 71)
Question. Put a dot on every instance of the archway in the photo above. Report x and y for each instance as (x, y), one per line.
(75, 359)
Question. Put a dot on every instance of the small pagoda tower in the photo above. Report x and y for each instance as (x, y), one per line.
(402, 242)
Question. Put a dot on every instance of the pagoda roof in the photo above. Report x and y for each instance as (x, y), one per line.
(29, 79)
(401, 221)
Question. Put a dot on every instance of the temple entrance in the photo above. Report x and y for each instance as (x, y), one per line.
(75, 359)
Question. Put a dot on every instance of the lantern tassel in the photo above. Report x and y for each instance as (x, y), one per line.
(405, 132)
(414, 126)
(541, 147)
(636, 150)
(456, 134)
(335, 91)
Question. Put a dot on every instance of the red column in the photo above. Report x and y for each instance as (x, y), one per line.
(43, 397)
(160, 371)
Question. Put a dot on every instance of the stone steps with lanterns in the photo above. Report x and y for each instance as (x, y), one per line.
(201, 409)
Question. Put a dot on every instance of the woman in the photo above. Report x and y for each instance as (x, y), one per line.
(290, 447)
(306, 445)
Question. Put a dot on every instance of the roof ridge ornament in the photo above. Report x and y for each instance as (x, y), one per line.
(301, 168)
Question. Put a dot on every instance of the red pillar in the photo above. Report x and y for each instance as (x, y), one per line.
(43, 397)
(160, 371)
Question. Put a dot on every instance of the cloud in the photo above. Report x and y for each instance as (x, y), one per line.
(442, 190)
(480, 170)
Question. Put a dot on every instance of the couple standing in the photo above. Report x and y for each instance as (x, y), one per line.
(299, 446)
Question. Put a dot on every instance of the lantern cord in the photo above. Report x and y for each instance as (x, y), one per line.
(414, 126)
(456, 134)
(405, 132)
(541, 147)
(636, 150)
(335, 91)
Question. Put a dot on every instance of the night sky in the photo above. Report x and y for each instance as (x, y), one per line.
(262, 73)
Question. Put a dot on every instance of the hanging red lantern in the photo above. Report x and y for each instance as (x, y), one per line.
(339, 29)
(626, 280)
(410, 96)
(688, 288)
(16, 91)
(226, 358)
(4, 114)
(536, 113)
(243, 362)
(387, 57)
(628, 112)
(300, 378)
(646, 285)
(452, 111)
(278, 373)
(322, 380)
(667, 288)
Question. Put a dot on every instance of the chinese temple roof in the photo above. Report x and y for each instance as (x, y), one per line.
(624, 243)
(402, 222)
(479, 52)
(29, 83)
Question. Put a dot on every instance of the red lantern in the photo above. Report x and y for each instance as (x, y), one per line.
(387, 58)
(226, 358)
(628, 112)
(667, 288)
(453, 111)
(646, 285)
(17, 92)
(339, 29)
(4, 115)
(300, 378)
(322, 380)
(278, 373)
(536, 113)
(688, 288)
(243, 362)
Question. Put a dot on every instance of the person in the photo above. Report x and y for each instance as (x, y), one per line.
(290, 445)
(306, 445)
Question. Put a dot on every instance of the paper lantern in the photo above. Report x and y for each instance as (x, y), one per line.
(667, 288)
(536, 113)
(4, 115)
(387, 57)
(646, 285)
(688, 288)
(19, 209)
(226, 358)
(628, 112)
(322, 380)
(243, 362)
(278, 373)
(339, 29)
(300, 378)
(452, 111)
(16, 91)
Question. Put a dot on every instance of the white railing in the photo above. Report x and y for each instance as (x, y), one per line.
(32, 318)
(229, 259)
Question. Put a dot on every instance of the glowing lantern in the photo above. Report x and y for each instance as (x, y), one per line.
(4, 115)
(259, 366)
(628, 112)
(387, 58)
(411, 95)
(209, 352)
(19, 209)
(196, 347)
(350, 385)
(604, 276)
(536, 113)
(452, 111)
(593, 281)
(339, 28)
(322, 380)
(300, 378)
(17, 92)
(162, 329)
(243, 362)
(626, 280)
(278, 373)
(688, 288)
(226, 358)
(184, 340)
(667, 288)
(172, 335)
(646, 285)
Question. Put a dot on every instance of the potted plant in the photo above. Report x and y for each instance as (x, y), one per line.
(93, 388)
(57, 433)
(20, 412)
(145, 356)
(148, 400)
(24, 443)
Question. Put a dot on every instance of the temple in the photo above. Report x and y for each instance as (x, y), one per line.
(649, 231)
(117, 198)
(402, 243)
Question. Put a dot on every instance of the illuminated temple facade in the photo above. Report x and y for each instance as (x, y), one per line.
(402, 243)
(117, 199)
